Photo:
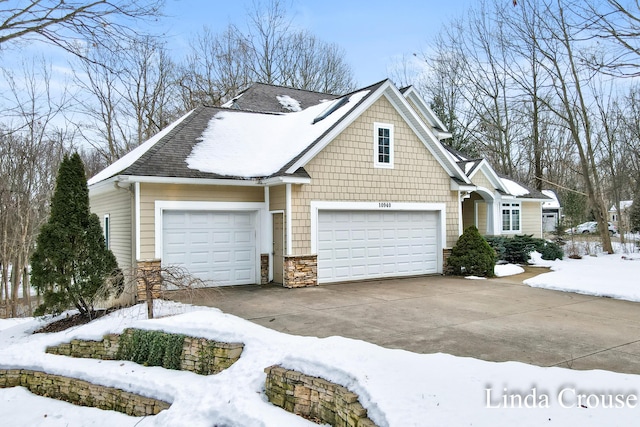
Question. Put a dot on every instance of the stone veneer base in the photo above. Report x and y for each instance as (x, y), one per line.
(300, 271)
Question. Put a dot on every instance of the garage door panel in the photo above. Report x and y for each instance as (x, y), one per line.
(379, 244)
(216, 246)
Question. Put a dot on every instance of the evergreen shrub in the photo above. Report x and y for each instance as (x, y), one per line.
(472, 255)
(151, 348)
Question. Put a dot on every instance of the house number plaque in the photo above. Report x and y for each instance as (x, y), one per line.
(384, 204)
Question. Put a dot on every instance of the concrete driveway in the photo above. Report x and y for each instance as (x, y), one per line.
(495, 320)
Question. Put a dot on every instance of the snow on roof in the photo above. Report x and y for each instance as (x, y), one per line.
(248, 144)
(133, 155)
(514, 188)
(624, 204)
(553, 203)
(289, 103)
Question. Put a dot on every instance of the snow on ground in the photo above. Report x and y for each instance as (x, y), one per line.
(398, 388)
(614, 276)
(507, 270)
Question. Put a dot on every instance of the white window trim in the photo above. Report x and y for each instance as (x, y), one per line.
(376, 163)
(106, 231)
(511, 209)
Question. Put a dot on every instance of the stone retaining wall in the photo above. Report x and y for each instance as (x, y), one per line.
(314, 397)
(300, 271)
(199, 355)
(81, 392)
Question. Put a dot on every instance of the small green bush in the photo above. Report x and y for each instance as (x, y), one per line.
(472, 255)
(151, 348)
(516, 250)
(551, 251)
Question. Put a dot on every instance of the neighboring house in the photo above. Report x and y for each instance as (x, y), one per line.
(302, 188)
(551, 212)
(621, 222)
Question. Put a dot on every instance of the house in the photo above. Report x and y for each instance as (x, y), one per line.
(622, 221)
(302, 188)
(551, 212)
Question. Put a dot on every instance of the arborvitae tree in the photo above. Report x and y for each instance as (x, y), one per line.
(472, 255)
(70, 262)
(634, 214)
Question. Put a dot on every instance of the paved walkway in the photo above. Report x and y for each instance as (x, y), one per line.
(496, 320)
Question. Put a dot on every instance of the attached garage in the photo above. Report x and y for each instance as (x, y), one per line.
(217, 246)
(356, 245)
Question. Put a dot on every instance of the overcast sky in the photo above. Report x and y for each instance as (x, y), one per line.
(374, 33)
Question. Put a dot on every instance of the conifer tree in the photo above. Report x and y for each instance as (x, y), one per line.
(634, 214)
(472, 255)
(70, 262)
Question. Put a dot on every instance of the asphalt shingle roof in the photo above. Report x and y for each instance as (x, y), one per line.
(262, 97)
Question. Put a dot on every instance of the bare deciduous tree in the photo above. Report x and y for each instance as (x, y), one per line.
(221, 65)
(72, 25)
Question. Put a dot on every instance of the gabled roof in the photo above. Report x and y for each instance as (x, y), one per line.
(624, 205)
(228, 143)
(554, 203)
(265, 98)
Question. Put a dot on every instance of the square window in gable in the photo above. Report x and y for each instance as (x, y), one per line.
(383, 145)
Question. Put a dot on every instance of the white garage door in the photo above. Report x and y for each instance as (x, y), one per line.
(355, 245)
(216, 246)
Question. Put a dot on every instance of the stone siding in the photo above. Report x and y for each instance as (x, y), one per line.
(316, 398)
(81, 392)
(264, 269)
(199, 355)
(149, 279)
(300, 271)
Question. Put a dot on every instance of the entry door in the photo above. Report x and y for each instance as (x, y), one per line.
(278, 247)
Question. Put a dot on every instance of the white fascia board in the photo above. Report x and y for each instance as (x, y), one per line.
(455, 186)
(285, 180)
(350, 117)
(195, 181)
(425, 109)
(426, 135)
(491, 175)
(444, 135)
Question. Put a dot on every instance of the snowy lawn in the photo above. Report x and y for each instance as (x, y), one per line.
(614, 276)
(398, 388)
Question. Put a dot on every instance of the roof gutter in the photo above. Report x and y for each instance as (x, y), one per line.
(249, 182)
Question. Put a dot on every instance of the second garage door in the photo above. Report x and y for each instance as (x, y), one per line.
(216, 246)
(354, 245)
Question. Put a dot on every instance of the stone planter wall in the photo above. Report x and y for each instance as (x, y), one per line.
(199, 355)
(81, 392)
(314, 397)
(300, 271)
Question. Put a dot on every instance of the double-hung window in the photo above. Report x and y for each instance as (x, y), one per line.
(383, 145)
(511, 217)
